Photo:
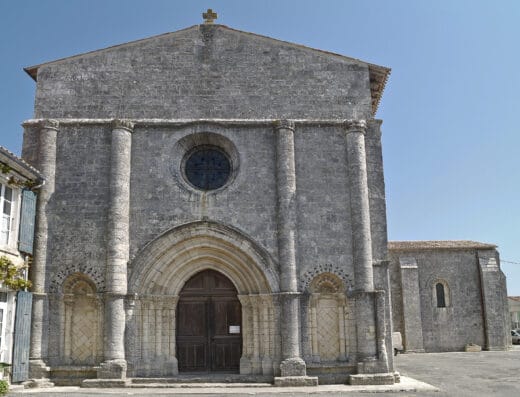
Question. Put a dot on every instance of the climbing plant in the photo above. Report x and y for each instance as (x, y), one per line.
(12, 276)
(12, 181)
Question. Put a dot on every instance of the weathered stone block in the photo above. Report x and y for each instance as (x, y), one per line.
(294, 381)
(372, 379)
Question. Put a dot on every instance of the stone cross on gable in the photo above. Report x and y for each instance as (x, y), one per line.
(209, 16)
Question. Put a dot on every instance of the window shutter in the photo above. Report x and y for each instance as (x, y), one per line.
(27, 219)
(22, 333)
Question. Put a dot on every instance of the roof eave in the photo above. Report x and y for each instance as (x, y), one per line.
(378, 77)
(19, 165)
(32, 71)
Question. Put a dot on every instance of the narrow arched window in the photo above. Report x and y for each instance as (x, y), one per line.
(439, 290)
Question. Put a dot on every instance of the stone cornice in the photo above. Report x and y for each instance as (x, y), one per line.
(184, 122)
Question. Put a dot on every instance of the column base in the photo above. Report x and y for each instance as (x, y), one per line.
(267, 366)
(294, 366)
(245, 366)
(39, 374)
(373, 365)
(294, 373)
(373, 379)
(294, 381)
(112, 369)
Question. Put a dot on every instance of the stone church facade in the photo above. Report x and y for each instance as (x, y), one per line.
(214, 201)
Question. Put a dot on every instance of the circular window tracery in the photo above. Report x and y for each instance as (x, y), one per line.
(207, 168)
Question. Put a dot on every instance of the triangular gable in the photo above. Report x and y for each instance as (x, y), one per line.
(378, 75)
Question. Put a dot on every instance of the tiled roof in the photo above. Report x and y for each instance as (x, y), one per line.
(438, 244)
(514, 298)
(19, 164)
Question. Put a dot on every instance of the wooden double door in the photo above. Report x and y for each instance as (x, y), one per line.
(209, 324)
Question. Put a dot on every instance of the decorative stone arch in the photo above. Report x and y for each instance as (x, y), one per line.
(330, 319)
(166, 263)
(163, 266)
(81, 341)
(441, 293)
(94, 275)
(307, 278)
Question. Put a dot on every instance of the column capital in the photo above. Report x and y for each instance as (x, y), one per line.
(283, 124)
(49, 124)
(353, 125)
(122, 124)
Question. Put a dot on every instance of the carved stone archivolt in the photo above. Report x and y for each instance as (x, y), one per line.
(162, 269)
(95, 275)
(307, 278)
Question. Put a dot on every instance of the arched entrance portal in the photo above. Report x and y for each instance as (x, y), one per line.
(209, 324)
(163, 273)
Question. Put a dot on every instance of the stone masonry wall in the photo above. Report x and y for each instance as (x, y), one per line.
(205, 72)
(461, 322)
(323, 200)
(79, 204)
(161, 199)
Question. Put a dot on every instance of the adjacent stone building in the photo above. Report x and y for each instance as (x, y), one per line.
(215, 201)
(448, 294)
(514, 311)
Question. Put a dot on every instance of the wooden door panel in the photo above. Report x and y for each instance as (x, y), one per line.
(226, 355)
(192, 319)
(226, 312)
(192, 356)
(207, 308)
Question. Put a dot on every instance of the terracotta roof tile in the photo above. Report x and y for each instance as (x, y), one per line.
(437, 244)
(21, 165)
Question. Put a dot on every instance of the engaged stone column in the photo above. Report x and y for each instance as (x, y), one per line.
(372, 359)
(359, 205)
(47, 165)
(114, 366)
(361, 239)
(292, 364)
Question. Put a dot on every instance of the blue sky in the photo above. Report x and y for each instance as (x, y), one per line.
(450, 108)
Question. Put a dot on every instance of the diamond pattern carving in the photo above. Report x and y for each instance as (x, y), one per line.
(84, 325)
(328, 329)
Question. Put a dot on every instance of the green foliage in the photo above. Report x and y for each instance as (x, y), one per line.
(4, 168)
(12, 276)
(12, 181)
(4, 387)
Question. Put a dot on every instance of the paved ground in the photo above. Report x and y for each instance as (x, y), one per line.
(465, 374)
(454, 374)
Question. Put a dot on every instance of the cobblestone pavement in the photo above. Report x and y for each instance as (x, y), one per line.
(455, 374)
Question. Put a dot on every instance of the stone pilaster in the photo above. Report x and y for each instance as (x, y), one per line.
(371, 349)
(293, 368)
(412, 318)
(117, 239)
(38, 370)
(494, 298)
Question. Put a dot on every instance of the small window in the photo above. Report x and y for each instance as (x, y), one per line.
(6, 204)
(441, 298)
(207, 168)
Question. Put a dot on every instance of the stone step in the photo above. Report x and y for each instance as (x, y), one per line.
(197, 385)
(225, 379)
